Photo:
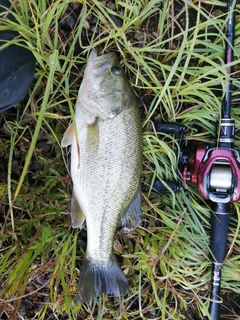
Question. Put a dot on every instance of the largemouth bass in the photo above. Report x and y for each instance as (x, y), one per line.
(106, 160)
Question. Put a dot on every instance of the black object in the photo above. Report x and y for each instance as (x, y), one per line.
(17, 66)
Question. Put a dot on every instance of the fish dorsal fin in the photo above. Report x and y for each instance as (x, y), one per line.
(68, 136)
(133, 215)
(77, 215)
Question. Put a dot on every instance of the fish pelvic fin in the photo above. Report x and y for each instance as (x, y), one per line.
(133, 215)
(77, 215)
(98, 277)
(68, 136)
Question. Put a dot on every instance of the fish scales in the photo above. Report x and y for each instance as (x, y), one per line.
(113, 168)
(106, 185)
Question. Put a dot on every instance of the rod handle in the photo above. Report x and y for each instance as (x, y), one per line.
(219, 233)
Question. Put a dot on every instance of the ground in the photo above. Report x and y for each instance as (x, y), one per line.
(173, 55)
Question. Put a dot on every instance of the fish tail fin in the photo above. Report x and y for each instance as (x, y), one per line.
(100, 277)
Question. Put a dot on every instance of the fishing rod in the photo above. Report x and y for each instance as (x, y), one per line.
(214, 170)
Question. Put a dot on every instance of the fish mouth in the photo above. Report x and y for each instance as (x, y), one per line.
(100, 64)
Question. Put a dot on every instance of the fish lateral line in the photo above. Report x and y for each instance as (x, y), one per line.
(78, 152)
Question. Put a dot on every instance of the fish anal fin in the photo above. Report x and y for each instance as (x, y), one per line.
(98, 277)
(68, 136)
(133, 215)
(77, 215)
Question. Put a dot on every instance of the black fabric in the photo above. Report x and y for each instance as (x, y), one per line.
(17, 67)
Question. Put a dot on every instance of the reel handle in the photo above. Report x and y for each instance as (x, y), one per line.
(161, 188)
(170, 127)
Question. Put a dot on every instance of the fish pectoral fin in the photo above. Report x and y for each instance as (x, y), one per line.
(93, 135)
(68, 136)
(77, 215)
(133, 215)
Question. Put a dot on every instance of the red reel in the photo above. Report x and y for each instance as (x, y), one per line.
(216, 172)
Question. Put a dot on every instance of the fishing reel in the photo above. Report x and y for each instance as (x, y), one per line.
(214, 170)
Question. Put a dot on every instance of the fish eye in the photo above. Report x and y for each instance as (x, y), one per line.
(116, 70)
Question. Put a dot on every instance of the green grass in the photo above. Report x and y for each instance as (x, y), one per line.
(173, 54)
